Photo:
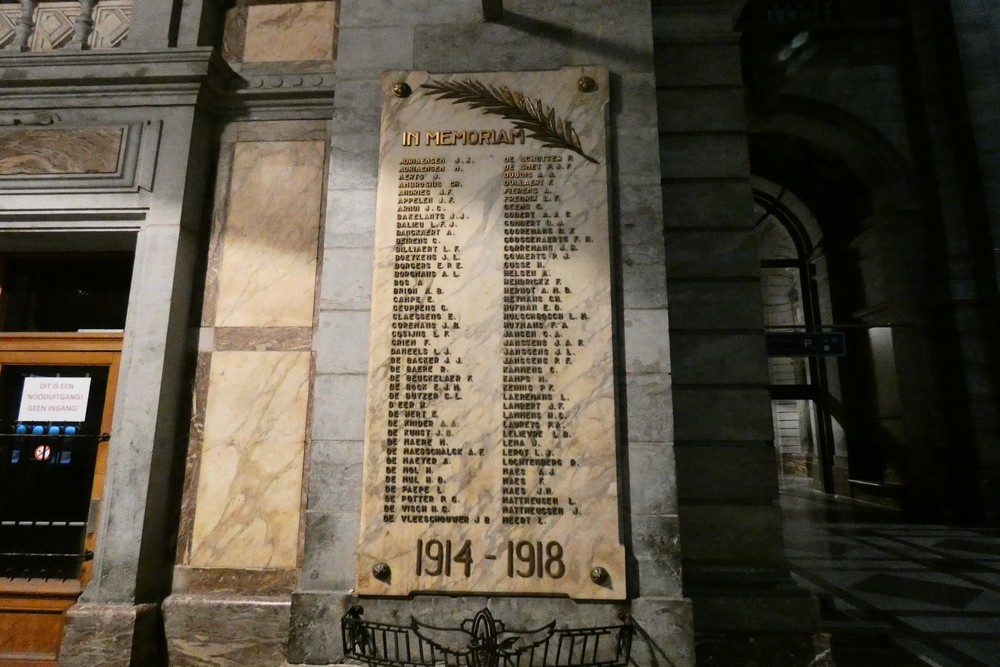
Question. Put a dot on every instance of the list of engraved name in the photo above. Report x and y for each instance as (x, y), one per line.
(541, 337)
(422, 371)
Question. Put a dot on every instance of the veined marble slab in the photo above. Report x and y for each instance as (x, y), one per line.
(290, 31)
(249, 483)
(267, 273)
(490, 436)
(81, 150)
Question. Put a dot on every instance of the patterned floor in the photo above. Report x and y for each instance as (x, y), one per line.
(933, 591)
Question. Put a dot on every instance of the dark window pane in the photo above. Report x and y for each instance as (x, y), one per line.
(67, 292)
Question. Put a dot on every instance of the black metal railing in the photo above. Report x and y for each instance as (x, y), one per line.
(41, 549)
(45, 489)
(483, 642)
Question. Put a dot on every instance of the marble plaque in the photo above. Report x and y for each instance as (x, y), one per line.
(490, 435)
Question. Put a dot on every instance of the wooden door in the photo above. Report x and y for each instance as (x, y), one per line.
(51, 482)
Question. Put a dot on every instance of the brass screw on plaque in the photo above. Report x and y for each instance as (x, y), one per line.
(598, 575)
(401, 89)
(586, 84)
(381, 571)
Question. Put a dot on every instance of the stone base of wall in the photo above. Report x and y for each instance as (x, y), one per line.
(663, 625)
(777, 626)
(664, 632)
(113, 635)
(226, 631)
(773, 650)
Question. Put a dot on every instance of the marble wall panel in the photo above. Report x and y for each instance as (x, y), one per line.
(33, 151)
(267, 273)
(250, 482)
(290, 32)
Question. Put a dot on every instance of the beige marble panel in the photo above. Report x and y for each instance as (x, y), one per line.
(31, 151)
(290, 31)
(490, 445)
(267, 273)
(250, 477)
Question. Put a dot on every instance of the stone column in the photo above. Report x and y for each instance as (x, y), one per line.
(977, 30)
(734, 568)
(239, 539)
(116, 619)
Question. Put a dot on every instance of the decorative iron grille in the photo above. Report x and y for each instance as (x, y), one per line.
(483, 641)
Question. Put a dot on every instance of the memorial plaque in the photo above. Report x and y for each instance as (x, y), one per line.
(490, 461)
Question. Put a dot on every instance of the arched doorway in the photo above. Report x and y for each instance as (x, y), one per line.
(828, 253)
(802, 344)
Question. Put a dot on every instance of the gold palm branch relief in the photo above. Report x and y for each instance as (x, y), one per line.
(537, 120)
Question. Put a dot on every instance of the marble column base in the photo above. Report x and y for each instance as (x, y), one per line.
(664, 629)
(112, 635)
(226, 631)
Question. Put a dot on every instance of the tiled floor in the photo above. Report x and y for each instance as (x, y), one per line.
(932, 591)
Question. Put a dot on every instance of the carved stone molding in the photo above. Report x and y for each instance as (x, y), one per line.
(279, 95)
(28, 118)
(111, 78)
(287, 81)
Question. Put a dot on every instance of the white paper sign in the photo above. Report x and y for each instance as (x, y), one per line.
(48, 399)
